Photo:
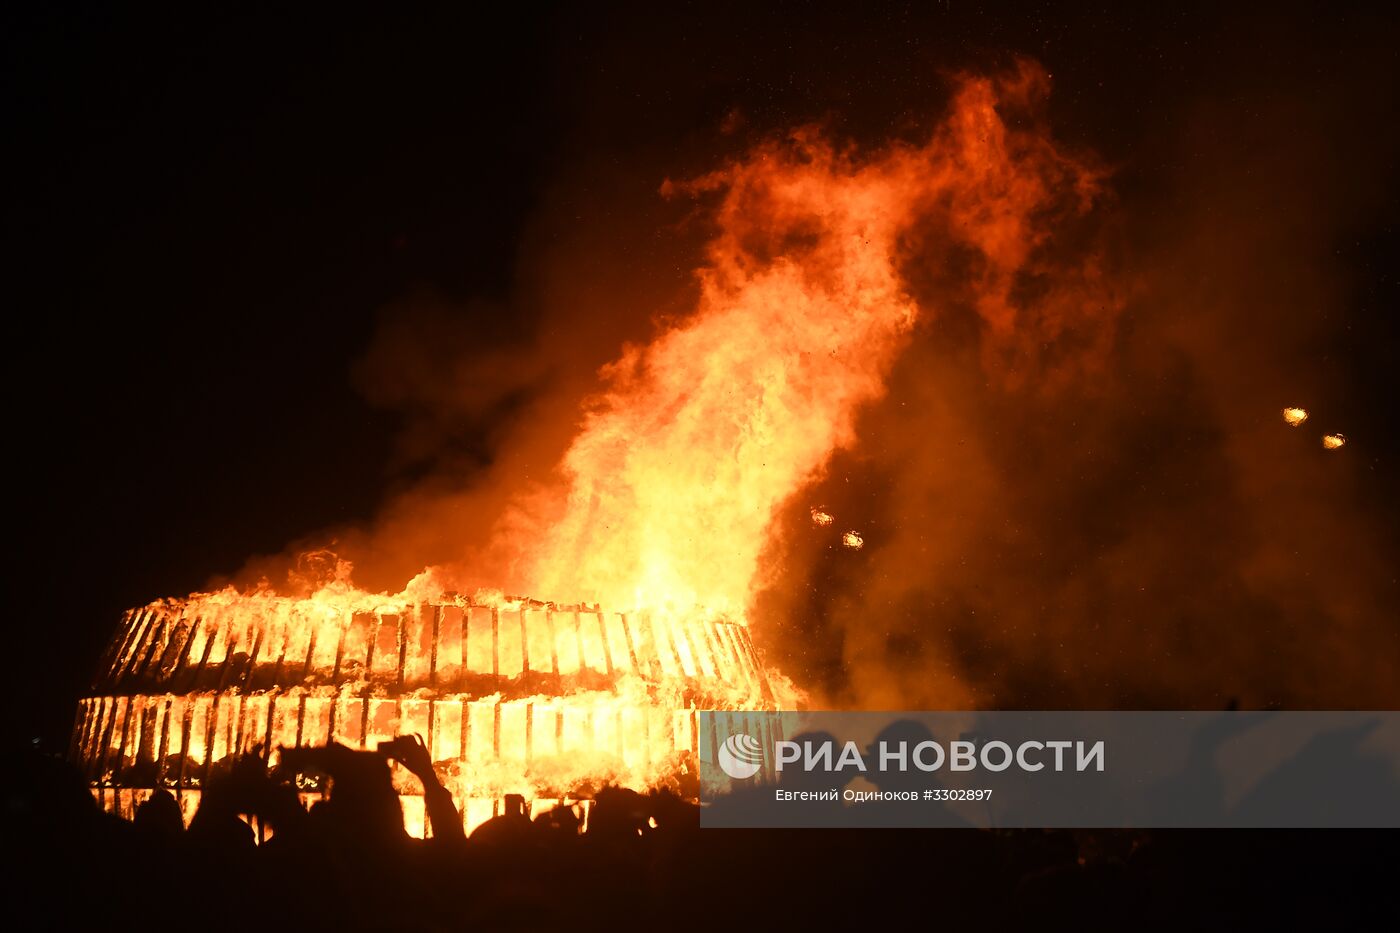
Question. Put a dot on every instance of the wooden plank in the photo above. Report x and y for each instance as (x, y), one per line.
(131, 650)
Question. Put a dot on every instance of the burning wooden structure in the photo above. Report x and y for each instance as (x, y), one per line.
(511, 696)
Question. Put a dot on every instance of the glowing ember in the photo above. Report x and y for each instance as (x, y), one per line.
(821, 519)
(1295, 416)
(1334, 441)
(853, 541)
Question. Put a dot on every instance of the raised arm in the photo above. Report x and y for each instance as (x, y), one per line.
(411, 752)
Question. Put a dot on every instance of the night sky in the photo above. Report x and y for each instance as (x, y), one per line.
(208, 215)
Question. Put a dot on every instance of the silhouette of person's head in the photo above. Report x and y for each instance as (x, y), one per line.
(158, 819)
(510, 829)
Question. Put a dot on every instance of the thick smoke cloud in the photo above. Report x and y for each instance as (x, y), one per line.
(1142, 528)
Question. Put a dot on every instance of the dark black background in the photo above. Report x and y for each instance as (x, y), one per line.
(206, 210)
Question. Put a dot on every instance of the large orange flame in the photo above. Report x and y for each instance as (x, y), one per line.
(683, 462)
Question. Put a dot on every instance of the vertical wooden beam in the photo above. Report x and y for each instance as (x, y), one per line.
(119, 764)
(495, 642)
(496, 729)
(465, 727)
(310, 653)
(553, 645)
(301, 719)
(403, 647)
(113, 652)
(258, 638)
(371, 637)
(109, 726)
(229, 650)
(607, 648)
(340, 649)
(196, 675)
(131, 648)
(211, 728)
(185, 728)
(147, 651)
(162, 748)
(433, 652)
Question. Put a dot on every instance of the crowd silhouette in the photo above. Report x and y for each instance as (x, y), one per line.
(640, 861)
